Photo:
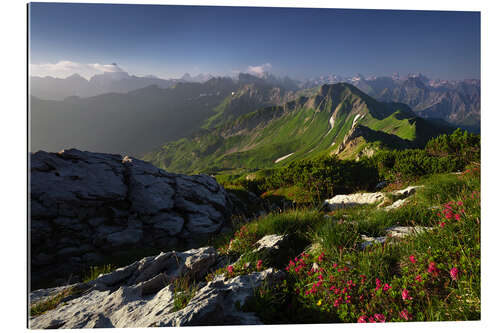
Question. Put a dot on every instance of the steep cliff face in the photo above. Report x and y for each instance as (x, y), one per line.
(87, 206)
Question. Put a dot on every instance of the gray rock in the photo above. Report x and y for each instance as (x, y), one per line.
(396, 204)
(401, 232)
(276, 249)
(140, 295)
(171, 223)
(219, 302)
(368, 241)
(201, 224)
(126, 237)
(111, 203)
(356, 199)
(404, 193)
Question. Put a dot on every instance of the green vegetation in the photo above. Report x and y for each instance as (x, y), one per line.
(183, 292)
(312, 180)
(308, 127)
(431, 276)
(95, 271)
(51, 302)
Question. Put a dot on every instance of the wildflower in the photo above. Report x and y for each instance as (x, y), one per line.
(380, 317)
(378, 284)
(386, 287)
(371, 320)
(319, 303)
(362, 319)
(460, 203)
(454, 273)
(432, 269)
(413, 259)
(406, 295)
(457, 217)
(259, 264)
(404, 315)
(442, 224)
(334, 265)
(418, 278)
(230, 269)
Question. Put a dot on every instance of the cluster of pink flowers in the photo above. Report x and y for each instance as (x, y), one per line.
(403, 314)
(432, 269)
(259, 265)
(454, 273)
(413, 259)
(406, 295)
(298, 264)
(376, 318)
(230, 269)
(378, 285)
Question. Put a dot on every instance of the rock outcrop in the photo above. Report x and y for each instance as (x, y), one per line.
(370, 198)
(86, 205)
(142, 295)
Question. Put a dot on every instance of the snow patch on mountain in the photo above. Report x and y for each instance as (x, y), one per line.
(283, 157)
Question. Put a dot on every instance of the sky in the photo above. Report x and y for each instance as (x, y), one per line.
(168, 41)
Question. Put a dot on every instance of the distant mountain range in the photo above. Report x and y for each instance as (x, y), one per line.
(457, 102)
(141, 120)
(334, 119)
(109, 82)
(135, 121)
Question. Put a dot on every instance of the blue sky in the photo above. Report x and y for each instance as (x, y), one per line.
(168, 41)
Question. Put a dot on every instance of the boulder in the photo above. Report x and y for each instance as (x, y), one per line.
(276, 249)
(103, 202)
(356, 199)
(401, 232)
(380, 198)
(142, 295)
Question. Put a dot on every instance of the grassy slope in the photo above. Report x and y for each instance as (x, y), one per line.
(255, 140)
(433, 293)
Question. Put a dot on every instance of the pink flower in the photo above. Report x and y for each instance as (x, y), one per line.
(432, 269)
(380, 317)
(454, 273)
(371, 320)
(405, 315)
(378, 283)
(362, 319)
(457, 217)
(230, 269)
(418, 278)
(413, 259)
(442, 224)
(460, 203)
(406, 295)
(259, 264)
(386, 287)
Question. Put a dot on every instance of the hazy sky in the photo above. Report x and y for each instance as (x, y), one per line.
(168, 41)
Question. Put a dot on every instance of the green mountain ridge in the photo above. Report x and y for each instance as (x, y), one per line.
(334, 119)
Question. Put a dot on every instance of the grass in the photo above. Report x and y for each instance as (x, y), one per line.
(95, 271)
(184, 291)
(51, 302)
(433, 276)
